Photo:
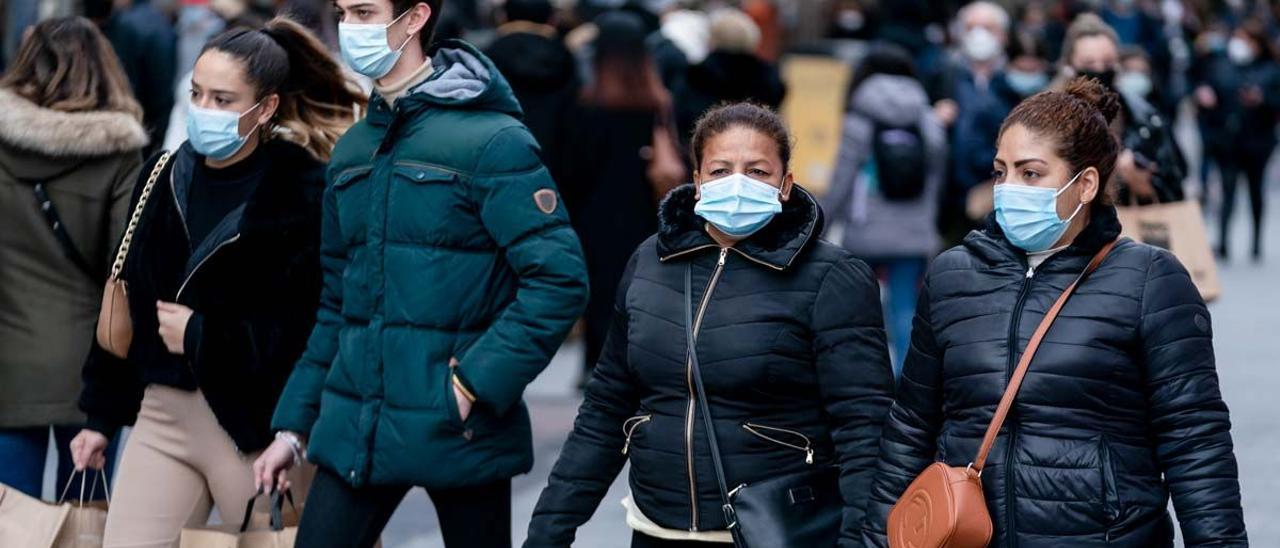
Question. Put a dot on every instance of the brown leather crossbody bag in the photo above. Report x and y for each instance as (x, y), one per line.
(115, 325)
(944, 506)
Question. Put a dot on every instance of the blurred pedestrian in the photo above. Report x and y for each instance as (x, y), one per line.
(790, 342)
(1150, 166)
(451, 276)
(543, 74)
(972, 108)
(622, 158)
(70, 141)
(1238, 96)
(223, 273)
(890, 169)
(1135, 78)
(1028, 71)
(1120, 408)
(730, 73)
(142, 33)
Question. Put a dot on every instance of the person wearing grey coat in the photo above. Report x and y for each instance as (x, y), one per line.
(896, 237)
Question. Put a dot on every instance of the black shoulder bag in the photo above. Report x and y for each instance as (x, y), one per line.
(798, 510)
(60, 232)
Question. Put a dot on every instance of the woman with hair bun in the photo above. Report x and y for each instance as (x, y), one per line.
(1119, 410)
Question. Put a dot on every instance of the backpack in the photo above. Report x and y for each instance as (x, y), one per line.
(900, 159)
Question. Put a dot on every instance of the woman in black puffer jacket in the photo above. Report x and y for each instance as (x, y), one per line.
(1120, 407)
(789, 337)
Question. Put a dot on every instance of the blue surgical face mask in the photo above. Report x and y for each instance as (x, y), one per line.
(365, 49)
(1029, 215)
(1025, 83)
(216, 133)
(738, 205)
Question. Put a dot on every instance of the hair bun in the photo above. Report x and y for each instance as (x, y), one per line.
(1093, 92)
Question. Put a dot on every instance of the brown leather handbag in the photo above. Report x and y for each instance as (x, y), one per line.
(115, 325)
(944, 506)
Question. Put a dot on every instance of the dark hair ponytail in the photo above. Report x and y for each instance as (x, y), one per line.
(317, 102)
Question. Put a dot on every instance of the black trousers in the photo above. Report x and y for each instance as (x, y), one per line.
(340, 516)
(1253, 167)
(641, 540)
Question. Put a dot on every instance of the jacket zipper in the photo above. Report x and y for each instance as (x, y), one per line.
(755, 429)
(206, 258)
(629, 427)
(1010, 531)
(688, 378)
(173, 192)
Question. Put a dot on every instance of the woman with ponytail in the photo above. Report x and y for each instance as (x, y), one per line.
(223, 274)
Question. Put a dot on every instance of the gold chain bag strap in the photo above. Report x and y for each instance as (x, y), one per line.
(115, 325)
(944, 506)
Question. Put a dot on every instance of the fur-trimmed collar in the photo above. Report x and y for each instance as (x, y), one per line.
(27, 126)
(777, 244)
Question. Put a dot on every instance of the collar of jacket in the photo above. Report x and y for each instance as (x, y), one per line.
(285, 197)
(27, 126)
(681, 231)
(990, 242)
(462, 78)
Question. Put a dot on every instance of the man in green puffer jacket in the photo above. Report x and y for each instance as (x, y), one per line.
(451, 276)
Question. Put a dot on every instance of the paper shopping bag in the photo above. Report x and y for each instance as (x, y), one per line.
(27, 521)
(273, 528)
(1179, 228)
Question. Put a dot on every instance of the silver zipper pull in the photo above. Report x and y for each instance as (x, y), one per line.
(1031, 271)
(724, 251)
(808, 456)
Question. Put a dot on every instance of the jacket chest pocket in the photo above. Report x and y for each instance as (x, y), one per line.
(352, 192)
(426, 205)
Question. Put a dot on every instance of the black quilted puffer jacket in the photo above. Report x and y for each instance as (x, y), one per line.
(792, 350)
(1120, 408)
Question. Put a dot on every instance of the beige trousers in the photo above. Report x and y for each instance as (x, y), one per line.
(177, 465)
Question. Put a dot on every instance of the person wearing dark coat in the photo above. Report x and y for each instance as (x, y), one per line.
(788, 332)
(1238, 114)
(1151, 166)
(223, 275)
(732, 72)
(542, 73)
(611, 198)
(147, 44)
(1120, 408)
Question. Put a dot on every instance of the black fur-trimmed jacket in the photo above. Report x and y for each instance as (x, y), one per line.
(792, 351)
(253, 282)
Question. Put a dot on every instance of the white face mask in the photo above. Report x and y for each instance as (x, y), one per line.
(1240, 52)
(980, 44)
(1133, 83)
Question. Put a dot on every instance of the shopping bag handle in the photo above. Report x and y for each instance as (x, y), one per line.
(276, 503)
(93, 490)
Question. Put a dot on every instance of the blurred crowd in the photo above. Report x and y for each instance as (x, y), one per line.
(611, 90)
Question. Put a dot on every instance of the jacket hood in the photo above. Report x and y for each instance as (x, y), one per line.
(791, 231)
(30, 127)
(461, 78)
(990, 243)
(890, 99)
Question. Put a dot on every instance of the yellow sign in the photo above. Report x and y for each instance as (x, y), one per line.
(814, 108)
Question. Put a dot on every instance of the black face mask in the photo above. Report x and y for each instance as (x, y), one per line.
(1107, 77)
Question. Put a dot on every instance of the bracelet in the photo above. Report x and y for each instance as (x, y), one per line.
(295, 445)
(463, 388)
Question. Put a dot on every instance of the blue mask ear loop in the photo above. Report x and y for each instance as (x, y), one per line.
(406, 40)
(1064, 189)
(255, 126)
